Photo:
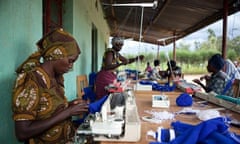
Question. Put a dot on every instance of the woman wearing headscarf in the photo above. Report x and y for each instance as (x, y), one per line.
(218, 79)
(155, 71)
(41, 112)
(112, 59)
(148, 68)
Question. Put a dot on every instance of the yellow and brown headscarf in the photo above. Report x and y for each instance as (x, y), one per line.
(55, 45)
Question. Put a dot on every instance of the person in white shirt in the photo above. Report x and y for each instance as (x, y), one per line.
(155, 71)
(230, 69)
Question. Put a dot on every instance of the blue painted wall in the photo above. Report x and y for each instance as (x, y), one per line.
(21, 28)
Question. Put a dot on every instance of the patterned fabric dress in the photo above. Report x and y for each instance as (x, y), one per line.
(218, 82)
(34, 96)
(35, 99)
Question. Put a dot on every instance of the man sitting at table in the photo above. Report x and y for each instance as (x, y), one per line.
(173, 72)
(218, 80)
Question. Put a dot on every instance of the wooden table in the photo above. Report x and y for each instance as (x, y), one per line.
(144, 102)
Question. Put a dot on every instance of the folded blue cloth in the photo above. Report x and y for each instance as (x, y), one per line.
(92, 77)
(92, 108)
(89, 94)
(146, 82)
(184, 99)
(165, 88)
(213, 131)
(97, 105)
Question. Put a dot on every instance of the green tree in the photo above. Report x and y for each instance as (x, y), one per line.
(184, 46)
(234, 44)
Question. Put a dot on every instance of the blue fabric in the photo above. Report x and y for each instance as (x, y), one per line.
(97, 105)
(213, 131)
(165, 135)
(218, 138)
(92, 77)
(166, 87)
(228, 85)
(92, 108)
(146, 82)
(134, 72)
(89, 94)
(184, 99)
(149, 74)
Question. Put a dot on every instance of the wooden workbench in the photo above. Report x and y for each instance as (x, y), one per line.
(144, 102)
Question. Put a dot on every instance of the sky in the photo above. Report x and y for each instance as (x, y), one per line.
(233, 30)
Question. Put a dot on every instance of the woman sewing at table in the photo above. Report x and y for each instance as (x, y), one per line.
(112, 59)
(148, 68)
(218, 80)
(155, 71)
(41, 112)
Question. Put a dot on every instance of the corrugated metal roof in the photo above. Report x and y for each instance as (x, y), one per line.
(170, 18)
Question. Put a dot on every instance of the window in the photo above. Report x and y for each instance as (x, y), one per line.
(52, 15)
(94, 48)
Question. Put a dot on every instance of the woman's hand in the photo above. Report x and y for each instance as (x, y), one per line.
(78, 107)
(77, 101)
(206, 77)
(196, 81)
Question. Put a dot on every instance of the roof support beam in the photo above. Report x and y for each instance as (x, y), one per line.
(224, 40)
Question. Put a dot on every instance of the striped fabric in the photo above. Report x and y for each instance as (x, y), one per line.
(104, 78)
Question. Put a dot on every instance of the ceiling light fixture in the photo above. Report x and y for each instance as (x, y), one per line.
(153, 5)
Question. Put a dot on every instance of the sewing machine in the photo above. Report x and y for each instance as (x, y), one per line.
(118, 120)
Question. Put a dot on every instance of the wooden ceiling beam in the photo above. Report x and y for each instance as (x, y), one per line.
(159, 12)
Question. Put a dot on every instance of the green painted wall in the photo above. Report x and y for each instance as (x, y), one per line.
(78, 18)
(21, 28)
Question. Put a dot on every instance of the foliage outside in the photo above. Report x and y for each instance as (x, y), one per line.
(193, 62)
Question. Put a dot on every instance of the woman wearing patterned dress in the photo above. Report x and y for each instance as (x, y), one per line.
(41, 112)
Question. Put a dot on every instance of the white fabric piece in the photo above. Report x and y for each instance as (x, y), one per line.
(208, 114)
(164, 115)
(188, 110)
(151, 133)
(158, 133)
(172, 134)
(151, 119)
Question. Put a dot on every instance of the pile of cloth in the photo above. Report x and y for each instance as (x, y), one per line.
(212, 131)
